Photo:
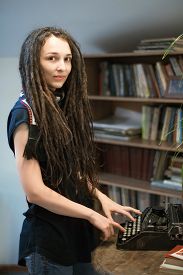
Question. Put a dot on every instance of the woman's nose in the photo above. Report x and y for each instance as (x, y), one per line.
(61, 65)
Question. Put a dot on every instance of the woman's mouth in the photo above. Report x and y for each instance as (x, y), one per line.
(59, 77)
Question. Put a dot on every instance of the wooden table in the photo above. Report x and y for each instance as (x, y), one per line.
(123, 262)
(118, 262)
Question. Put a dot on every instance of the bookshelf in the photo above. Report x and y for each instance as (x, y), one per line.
(104, 105)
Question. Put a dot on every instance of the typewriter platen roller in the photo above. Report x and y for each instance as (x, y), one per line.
(155, 229)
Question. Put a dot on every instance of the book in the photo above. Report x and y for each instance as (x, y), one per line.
(169, 70)
(159, 165)
(179, 126)
(175, 249)
(147, 114)
(166, 123)
(162, 77)
(104, 135)
(104, 79)
(143, 83)
(143, 200)
(135, 161)
(170, 263)
(173, 259)
(124, 121)
(178, 252)
(155, 123)
(167, 184)
(146, 164)
(154, 80)
(150, 81)
(115, 76)
(171, 128)
(160, 44)
(115, 193)
(125, 160)
(158, 40)
(175, 66)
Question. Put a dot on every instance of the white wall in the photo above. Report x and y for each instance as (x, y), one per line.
(98, 25)
(12, 200)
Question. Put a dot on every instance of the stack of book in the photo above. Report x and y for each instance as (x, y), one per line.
(123, 125)
(171, 177)
(174, 260)
(160, 44)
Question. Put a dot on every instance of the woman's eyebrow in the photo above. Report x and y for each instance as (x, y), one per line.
(69, 54)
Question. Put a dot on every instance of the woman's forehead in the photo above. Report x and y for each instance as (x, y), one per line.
(55, 44)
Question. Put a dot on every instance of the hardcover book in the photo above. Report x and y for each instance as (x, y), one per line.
(174, 259)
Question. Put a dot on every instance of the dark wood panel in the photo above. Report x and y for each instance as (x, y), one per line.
(12, 268)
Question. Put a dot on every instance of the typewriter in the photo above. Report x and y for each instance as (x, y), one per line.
(155, 229)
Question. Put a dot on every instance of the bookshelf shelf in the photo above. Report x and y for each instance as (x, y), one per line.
(130, 54)
(138, 185)
(144, 144)
(137, 99)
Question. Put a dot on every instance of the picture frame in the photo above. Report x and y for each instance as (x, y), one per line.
(174, 88)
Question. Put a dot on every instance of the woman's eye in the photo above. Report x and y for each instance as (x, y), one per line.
(68, 59)
(51, 58)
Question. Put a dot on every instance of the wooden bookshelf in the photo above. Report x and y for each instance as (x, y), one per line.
(104, 105)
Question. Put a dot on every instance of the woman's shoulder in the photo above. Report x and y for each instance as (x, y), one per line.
(20, 105)
(20, 113)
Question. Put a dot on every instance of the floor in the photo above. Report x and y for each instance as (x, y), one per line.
(13, 273)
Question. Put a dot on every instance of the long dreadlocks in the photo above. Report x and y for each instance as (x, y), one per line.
(66, 133)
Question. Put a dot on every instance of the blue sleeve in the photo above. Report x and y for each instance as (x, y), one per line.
(16, 117)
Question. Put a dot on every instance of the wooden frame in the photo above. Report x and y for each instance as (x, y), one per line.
(175, 88)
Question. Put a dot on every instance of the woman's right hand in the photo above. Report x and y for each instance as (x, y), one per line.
(104, 224)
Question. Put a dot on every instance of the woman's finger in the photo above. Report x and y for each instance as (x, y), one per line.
(125, 210)
(108, 215)
(127, 214)
(115, 224)
(131, 209)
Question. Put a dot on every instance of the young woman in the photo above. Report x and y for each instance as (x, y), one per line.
(49, 131)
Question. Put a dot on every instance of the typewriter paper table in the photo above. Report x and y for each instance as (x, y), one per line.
(122, 262)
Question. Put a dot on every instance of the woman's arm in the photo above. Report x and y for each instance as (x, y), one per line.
(38, 193)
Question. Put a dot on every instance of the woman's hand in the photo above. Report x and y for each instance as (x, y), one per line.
(104, 224)
(109, 207)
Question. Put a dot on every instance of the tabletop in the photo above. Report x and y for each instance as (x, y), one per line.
(123, 262)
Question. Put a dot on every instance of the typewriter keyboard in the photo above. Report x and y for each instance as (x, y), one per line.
(132, 228)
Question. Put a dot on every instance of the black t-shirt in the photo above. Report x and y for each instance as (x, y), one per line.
(63, 239)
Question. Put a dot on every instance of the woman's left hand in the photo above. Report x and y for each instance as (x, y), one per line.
(109, 207)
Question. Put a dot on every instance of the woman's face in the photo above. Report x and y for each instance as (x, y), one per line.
(55, 61)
